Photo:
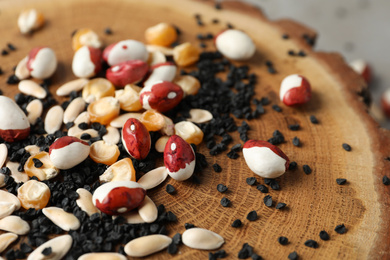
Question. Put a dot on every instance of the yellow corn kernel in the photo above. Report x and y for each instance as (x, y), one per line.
(162, 34)
(85, 37)
(101, 152)
(129, 98)
(34, 194)
(103, 110)
(152, 120)
(189, 132)
(189, 84)
(185, 54)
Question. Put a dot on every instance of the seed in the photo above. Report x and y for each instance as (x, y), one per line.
(148, 210)
(199, 238)
(103, 110)
(311, 243)
(162, 34)
(341, 181)
(221, 188)
(170, 189)
(46, 172)
(32, 149)
(30, 20)
(293, 256)
(125, 50)
(306, 169)
(295, 90)
(3, 154)
(85, 37)
(200, 116)
(15, 225)
(168, 128)
(8, 203)
(225, 202)
(6, 239)
(252, 216)
(189, 132)
(34, 110)
(251, 181)
(96, 89)
(120, 121)
(74, 109)
(136, 139)
(82, 118)
(147, 245)
(166, 51)
(84, 135)
(31, 88)
(118, 197)
(235, 44)
(189, 84)
(18, 176)
(34, 194)
(101, 152)
(53, 119)
(67, 152)
(185, 54)
(74, 85)
(112, 136)
(85, 202)
(122, 170)
(385, 180)
(152, 120)
(133, 217)
(245, 251)
(59, 248)
(281, 205)
(296, 141)
(21, 70)
(268, 201)
(262, 188)
(237, 223)
(161, 96)
(160, 143)
(156, 57)
(102, 256)
(265, 159)
(42, 62)
(283, 240)
(161, 72)
(362, 68)
(14, 125)
(324, 235)
(314, 119)
(86, 62)
(66, 221)
(341, 229)
(347, 147)
(153, 178)
(127, 72)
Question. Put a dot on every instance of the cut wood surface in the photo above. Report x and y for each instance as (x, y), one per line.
(314, 202)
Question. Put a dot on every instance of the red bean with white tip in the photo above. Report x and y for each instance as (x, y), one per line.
(41, 62)
(235, 44)
(14, 125)
(161, 72)
(265, 159)
(127, 72)
(124, 51)
(385, 102)
(179, 158)
(161, 96)
(87, 62)
(295, 90)
(118, 197)
(68, 151)
(363, 68)
(136, 139)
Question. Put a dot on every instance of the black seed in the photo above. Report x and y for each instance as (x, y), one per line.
(341, 229)
(280, 205)
(386, 180)
(232, 155)
(294, 127)
(218, 6)
(177, 238)
(285, 36)
(220, 254)
(69, 125)
(25, 248)
(37, 163)
(347, 147)
(307, 169)
(301, 53)
(11, 46)
(172, 249)
(170, 189)
(202, 45)
(252, 216)
(255, 256)
(283, 240)
(215, 21)
(225, 202)
(188, 225)
(108, 31)
(271, 70)
(221, 188)
(324, 235)
(83, 126)
(274, 185)
(313, 119)
(277, 108)
(217, 167)
(268, 201)
(341, 181)
(296, 141)
(4, 52)
(292, 166)
(262, 188)
(291, 53)
(245, 251)
(251, 181)
(12, 80)
(47, 251)
(229, 25)
(212, 256)
(237, 223)
(293, 256)
(171, 217)
(311, 243)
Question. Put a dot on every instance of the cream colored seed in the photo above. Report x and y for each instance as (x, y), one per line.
(9, 198)
(153, 178)
(132, 217)
(129, 98)
(15, 225)
(121, 120)
(74, 109)
(148, 210)
(169, 127)
(112, 136)
(59, 247)
(189, 84)
(34, 110)
(21, 70)
(104, 153)
(200, 116)
(185, 54)
(164, 50)
(85, 202)
(6, 209)
(74, 85)
(102, 256)
(53, 119)
(199, 238)
(32, 149)
(30, 20)
(3, 154)
(190, 132)
(31, 88)
(156, 57)
(147, 245)
(2, 180)
(6, 239)
(160, 143)
(66, 221)
(18, 176)
(82, 118)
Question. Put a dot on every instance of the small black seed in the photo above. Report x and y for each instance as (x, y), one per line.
(83, 126)
(188, 225)
(262, 188)
(277, 108)
(171, 217)
(294, 127)
(252, 216)
(313, 119)
(11, 47)
(4, 52)
(177, 238)
(324, 235)
(274, 185)
(172, 249)
(347, 147)
(293, 165)
(280, 205)
(283, 240)
(218, 6)
(341, 181)
(296, 141)
(225, 202)
(268, 201)
(311, 243)
(12, 80)
(251, 181)
(212, 256)
(25, 248)
(37, 163)
(229, 25)
(215, 21)
(291, 53)
(85, 136)
(202, 45)
(386, 180)
(47, 251)
(293, 256)
(221, 188)
(255, 256)
(307, 169)
(170, 189)
(220, 254)
(217, 167)
(285, 36)
(237, 223)
(108, 31)
(301, 53)
(341, 229)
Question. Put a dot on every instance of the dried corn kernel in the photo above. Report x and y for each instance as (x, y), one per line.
(103, 110)
(189, 132)
(85, 37)
(34, 194)
(189, 84)
(122, 170)
(101, 152)
(185, 54)
(162, 34)
(30, 20)
(97, 88)
(129, 98)
(152, 120)
(39, 165)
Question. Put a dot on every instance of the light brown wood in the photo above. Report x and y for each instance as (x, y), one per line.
(315, 202)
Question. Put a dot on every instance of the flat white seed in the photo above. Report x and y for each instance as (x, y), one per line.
(148, 210)
(15, 225)
(59, 247)
(31, 88)
(160, 143)
(82, 118)
(132, 217)
(34, 110)
(2, 182)
(164, 50)
(18, 176)
(74, 109)
(6, 209)
(53, 119)
(85, 202)
(7, 197)
(66, 221)
(156, 57)
(200, 116)
(3, 154)
(121, 120)
(200, 238)
(147, 245)
(153, 178)
(102, 256)
(6, 239)
(112, 136)
(74, 85)
(21, 70)
(32, 149)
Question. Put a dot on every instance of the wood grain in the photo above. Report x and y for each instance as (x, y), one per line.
(315, 202)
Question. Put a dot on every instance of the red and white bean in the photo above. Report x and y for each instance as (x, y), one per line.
(86, 62)
(124, 51)
(42, 62)
(295, 90)
(127, 72)
(161, 96)
(14, 125)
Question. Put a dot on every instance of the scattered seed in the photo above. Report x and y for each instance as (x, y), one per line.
(148, 210)
(200, 116)
(222, 188)
(277, 108)
(324, 235)
(252, 216)
(245, 251)
(153, 178)
(47, 251)
(255, 256)
(313, 119)
(262, 188)
(311, 243)
(147, 245)
(59, 248)
(296, 141)
(341, 229)
(74, 85)
(294, 127)
(21, 70)
(31, 88)
(15, 225)
(283, 241)
(102, 256)
(217, 167)
(347, 147)
(53, 119)
(280, 205)
(85, 202)
(11, 46)
(66, 221)
(199, 238)
(3, 154)
(268, 201)
(170, 189)
(225, 202)
(293, 165)
(341, 181)
(251, 181)
(188, 226)
(237, 223)
(6, 239)
(386, 180)
(306, 169)
(108, 31)
(293, 256)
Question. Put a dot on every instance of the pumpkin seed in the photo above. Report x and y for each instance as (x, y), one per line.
(153, 178)
(200, 238)
(66, 221)
(147, 245)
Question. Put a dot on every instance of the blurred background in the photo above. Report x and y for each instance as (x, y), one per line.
(358, 29)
